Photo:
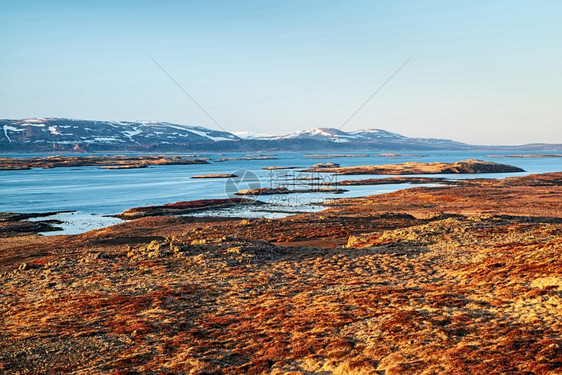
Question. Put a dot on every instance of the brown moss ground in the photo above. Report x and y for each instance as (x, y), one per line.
(451, 282)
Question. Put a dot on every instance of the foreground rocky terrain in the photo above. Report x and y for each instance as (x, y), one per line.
(456, 280)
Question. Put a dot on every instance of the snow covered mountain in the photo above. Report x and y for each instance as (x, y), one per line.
(363, 136)
(334, 135)
(57, 134)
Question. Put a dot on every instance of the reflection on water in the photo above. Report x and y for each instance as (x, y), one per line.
(78, 222)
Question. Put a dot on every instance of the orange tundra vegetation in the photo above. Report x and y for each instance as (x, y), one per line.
(454, 280)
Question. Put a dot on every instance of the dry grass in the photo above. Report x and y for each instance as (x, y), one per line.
(451, 294)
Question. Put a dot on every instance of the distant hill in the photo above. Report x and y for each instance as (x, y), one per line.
(42, 134)
(364, 137)
(59, 134)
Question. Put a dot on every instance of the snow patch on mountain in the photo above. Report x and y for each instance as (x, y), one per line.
(11, 128)
(54, 130)
(214, 138)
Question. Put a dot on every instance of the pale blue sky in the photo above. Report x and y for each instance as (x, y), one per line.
(483, 71)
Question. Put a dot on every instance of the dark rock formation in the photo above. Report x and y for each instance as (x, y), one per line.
(180, 208)
(284, 190)
(215, 175)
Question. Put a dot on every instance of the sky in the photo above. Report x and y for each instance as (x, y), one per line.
(482, 72)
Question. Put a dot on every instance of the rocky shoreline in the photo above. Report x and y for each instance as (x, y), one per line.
(455, 279)
(16, 224)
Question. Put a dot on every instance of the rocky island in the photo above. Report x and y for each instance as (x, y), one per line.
(216, 175)
(451, 279)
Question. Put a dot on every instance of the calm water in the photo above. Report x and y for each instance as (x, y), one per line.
(93, 193)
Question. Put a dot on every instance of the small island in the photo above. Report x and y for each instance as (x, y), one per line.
(284, 190)
(273, 168)
(216, 175)
(246, 158)
(325, 156)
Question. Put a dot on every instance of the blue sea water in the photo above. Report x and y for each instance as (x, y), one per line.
(92, 193)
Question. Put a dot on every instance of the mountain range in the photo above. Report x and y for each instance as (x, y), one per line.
(60, 134)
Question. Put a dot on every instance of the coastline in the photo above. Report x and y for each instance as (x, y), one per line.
(99, 194)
